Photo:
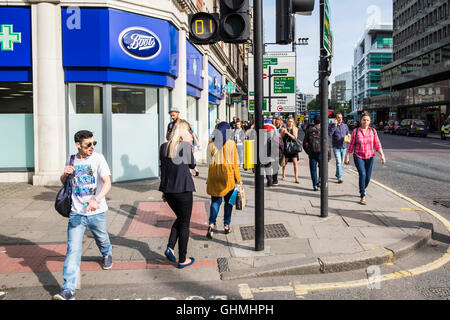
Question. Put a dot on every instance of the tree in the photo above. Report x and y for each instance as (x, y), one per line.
(312, 104)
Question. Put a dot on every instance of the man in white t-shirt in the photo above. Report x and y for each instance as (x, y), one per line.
(91, 182)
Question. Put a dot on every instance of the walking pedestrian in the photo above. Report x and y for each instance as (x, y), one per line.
(362, 144)
(223, 174)
(312, 146)
(176, 158)
(233, 123)
(91, 183)
(289, 134)
(239, 138)
(174, 113)
(338, 132)
(274, 153)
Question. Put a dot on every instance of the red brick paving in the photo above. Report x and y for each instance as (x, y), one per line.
(154, 219)
(50, 258)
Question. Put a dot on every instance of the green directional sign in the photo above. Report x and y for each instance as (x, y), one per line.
(327, 34)
(8, 37)
(281, 71)
(251, 105)
(284, 84)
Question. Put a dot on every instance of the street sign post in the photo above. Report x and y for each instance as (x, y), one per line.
(279, 82)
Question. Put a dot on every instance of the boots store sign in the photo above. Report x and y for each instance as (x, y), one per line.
(139, 43)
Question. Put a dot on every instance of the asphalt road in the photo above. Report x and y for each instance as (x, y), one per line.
(419, 168)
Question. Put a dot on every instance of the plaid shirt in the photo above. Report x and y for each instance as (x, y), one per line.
(365, 143)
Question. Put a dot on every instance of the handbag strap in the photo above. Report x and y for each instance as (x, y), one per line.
(72, 159)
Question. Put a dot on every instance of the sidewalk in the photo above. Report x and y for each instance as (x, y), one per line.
(33, 236)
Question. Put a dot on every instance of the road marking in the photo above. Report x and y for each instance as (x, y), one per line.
(245, 291)
(302, 289)
(442, 145)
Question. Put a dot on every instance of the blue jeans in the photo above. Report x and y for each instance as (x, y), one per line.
(314, 161)
(240, 149)
(75, 232)
(364, 167)
(339, 154)
(215, 207)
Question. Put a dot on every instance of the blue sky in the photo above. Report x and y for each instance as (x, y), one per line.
(348, 20)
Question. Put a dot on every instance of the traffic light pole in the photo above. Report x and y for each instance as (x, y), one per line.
(258, 48)
(323, 94)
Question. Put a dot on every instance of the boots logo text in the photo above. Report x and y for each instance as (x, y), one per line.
(139, 43)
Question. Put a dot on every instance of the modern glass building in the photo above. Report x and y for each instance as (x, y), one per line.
(417, 81)
(371, 53)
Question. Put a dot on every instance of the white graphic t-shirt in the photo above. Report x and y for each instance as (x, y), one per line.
(87, 182)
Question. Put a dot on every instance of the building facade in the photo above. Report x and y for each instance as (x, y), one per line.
(341, 89)
(111, 67)
(371, 53)
(418, 78)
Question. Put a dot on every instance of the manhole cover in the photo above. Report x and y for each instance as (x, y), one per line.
(271, 231)
(443, 293)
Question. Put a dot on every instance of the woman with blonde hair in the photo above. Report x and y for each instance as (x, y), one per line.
(177, 186)
(223, 174)
(289, 134)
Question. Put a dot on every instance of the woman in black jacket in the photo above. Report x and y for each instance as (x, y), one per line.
(176, 158)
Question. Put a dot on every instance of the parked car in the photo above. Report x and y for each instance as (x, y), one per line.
(410, 127)
(352, 124)
(391, 126)
(445, 129)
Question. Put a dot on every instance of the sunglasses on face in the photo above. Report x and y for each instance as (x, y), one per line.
(90, 144)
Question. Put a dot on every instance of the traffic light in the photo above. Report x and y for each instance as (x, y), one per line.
(234, 21)
(285, 18)
(204, 28)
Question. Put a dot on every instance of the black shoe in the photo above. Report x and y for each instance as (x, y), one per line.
(64, 295)
(210, 233)
(227, 229)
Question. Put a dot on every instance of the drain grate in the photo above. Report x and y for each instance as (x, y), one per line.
(443, 293)
(271, 231)
(222, 263)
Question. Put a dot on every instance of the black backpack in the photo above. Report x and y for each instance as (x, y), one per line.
(314, 140)
(63, 202)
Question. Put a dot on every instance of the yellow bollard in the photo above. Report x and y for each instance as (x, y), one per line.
(249, 154)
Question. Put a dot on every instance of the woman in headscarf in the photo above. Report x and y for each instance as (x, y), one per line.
(223, 174)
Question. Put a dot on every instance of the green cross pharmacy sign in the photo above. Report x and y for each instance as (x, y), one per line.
(8, 37)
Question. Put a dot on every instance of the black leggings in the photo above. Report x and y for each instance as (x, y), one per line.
(181, 204)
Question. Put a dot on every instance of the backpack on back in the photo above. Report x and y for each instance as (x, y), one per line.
(314, 140)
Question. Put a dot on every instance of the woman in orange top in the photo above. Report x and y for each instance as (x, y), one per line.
(223, 174)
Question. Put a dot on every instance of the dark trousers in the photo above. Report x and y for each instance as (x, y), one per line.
(314, 162)
(181, 204)
(271, 171)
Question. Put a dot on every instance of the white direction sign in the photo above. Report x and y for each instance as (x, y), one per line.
(279, 72)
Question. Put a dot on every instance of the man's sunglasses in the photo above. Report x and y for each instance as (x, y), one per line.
(90, 144)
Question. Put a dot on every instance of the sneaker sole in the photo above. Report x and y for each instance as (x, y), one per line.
(107, 268)
(58, 297)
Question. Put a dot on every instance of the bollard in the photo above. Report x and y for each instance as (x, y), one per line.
(249, 154)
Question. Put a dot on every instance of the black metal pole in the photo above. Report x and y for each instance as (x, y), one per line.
(323, 93)
(259, 96)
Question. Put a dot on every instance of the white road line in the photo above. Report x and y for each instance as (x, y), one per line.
(442, 145)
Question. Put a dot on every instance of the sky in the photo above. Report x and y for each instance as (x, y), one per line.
(348, 20)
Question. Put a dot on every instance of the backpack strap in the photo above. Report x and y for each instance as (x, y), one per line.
(72, 159)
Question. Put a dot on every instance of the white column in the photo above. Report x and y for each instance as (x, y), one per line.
(203, 110)
(223, 102)
(179, 92)
(48, 93)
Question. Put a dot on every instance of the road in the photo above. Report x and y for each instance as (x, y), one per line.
(417, 167)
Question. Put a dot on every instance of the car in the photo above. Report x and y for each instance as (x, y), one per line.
(352, 124)
(445, 129)
(391, 126)
(412, 127)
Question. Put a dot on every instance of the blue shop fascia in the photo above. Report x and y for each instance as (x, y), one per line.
(119, 69)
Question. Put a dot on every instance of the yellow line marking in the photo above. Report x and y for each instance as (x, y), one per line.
(300, 289)
(245, 291)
